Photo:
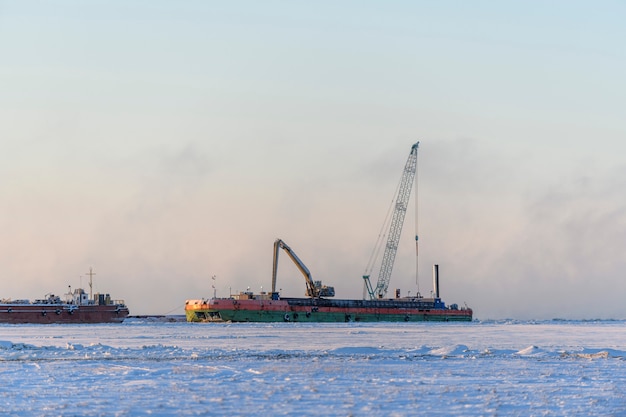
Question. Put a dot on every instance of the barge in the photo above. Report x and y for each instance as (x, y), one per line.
(77, 307)
(263, 307)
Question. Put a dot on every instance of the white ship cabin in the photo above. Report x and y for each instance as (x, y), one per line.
(80, 297)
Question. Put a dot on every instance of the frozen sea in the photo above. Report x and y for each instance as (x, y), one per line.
(143, 367)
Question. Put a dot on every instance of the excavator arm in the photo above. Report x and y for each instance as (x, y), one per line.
(313, 289)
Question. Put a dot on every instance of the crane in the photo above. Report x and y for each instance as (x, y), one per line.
(314, 289)
(401, 201)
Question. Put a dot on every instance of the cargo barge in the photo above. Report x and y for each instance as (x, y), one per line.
(317, 307)
(77, 307)
(249, 307)
(270, 307)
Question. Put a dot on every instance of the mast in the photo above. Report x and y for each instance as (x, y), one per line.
(91, 274)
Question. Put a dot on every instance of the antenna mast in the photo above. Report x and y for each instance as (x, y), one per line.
(91, 274)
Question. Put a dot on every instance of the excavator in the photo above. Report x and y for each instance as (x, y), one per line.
(314, 289)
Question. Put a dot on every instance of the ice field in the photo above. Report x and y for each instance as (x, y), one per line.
(555, 368)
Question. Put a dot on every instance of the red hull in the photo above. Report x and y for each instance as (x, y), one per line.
(320, 310)
(61, 313)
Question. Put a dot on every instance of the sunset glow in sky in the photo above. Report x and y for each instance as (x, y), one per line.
(163, 143)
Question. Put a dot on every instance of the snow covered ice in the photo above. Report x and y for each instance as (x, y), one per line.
(554, 368)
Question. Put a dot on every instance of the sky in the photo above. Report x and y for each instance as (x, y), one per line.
(163, 143)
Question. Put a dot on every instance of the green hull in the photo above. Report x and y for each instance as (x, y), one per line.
(320, 317)
(310, 310)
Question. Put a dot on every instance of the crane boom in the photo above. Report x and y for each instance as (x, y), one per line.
(395, 229)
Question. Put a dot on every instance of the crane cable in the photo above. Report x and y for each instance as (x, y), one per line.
(381, 235)
(417, 282)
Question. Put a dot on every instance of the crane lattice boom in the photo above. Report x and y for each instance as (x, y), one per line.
(395, 229)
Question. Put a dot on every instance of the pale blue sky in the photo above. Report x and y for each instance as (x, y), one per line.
(166, 142)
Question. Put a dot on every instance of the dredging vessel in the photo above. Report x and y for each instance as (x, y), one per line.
(318, 306)
(77, 307)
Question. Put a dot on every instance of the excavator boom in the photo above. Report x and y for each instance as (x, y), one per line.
(314, 289)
